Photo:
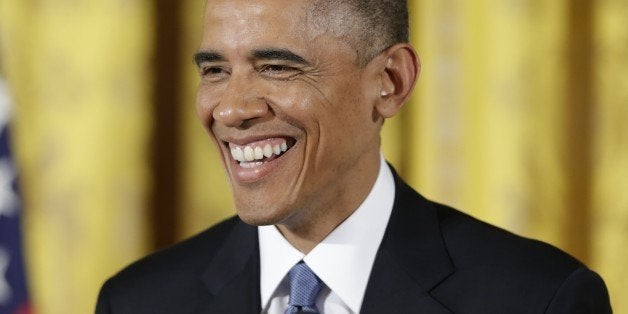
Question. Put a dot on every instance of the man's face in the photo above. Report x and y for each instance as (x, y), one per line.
(289, 109)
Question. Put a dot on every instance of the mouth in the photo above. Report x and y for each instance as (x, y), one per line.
(255, 159)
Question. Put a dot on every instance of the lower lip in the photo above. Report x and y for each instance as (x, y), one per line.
(251, 175)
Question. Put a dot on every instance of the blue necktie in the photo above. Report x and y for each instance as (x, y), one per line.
(304, 288)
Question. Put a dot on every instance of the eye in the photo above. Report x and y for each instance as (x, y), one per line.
(278, 71)
(276, 68)
(213, 72)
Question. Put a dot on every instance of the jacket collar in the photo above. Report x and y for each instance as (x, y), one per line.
(412, 259)
(232, 277)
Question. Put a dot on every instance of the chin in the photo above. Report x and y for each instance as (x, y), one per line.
(261, 216)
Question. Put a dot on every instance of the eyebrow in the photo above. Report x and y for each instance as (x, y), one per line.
(264, 54)
(207, 56)
(278, 54)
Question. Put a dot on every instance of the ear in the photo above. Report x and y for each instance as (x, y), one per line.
(398, 76)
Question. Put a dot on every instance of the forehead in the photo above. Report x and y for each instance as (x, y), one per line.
(244, 19)
(273, 6)
(237, 27)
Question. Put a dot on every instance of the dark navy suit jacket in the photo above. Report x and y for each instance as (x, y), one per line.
(433, 259)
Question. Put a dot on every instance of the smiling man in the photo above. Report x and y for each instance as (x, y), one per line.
(294, 94)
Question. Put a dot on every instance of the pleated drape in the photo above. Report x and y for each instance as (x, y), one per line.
(80, 75)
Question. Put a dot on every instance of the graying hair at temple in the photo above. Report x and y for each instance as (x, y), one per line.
(370, 26)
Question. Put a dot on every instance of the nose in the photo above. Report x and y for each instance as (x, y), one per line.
(238, 105)
(236, 113)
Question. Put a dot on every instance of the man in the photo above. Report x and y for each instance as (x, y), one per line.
(294, 94)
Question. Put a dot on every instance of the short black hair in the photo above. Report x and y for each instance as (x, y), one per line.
(370, 26)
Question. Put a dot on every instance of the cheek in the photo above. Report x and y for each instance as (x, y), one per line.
(332, 112)
(294, 104)
(205, 103)
(346, 112)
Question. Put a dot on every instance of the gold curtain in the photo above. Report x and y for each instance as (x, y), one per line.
(518, 118)
(609, 167)
(78, 71)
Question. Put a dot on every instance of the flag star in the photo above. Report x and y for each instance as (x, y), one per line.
(8, 199)
(5, 289)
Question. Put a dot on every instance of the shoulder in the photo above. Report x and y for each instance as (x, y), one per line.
(471, 241)
(475, 244)
(513, 271)
(167, 274)
(188, 256)
(489, 269)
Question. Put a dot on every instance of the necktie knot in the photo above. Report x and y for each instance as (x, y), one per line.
(304, 288)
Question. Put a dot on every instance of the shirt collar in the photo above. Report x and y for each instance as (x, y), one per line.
(344, 259)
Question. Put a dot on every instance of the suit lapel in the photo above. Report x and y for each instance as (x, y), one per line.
(411, 260)
(232, 278)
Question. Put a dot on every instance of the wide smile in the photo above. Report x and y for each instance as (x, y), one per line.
(254, 160)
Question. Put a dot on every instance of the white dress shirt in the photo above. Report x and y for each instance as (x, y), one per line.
(343, 260)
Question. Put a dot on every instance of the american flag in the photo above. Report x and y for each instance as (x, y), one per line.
(13, 292)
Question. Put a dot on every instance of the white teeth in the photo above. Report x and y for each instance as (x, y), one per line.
(238, 154)
(268, 151)
(259, 154)
(248, 154)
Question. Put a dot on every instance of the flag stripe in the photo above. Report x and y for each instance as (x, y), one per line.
(13, 289)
